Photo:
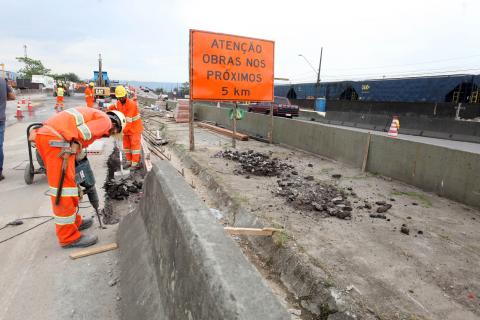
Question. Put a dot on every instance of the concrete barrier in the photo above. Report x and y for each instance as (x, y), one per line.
(178, 263)
(450, 173)
(426, 126)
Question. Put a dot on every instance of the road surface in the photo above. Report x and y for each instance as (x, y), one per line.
(38, 279)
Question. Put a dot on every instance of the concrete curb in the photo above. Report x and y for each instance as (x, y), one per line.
(197, 270)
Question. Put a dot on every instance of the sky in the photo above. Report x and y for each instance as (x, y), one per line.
(147, 40)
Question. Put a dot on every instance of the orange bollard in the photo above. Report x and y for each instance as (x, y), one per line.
(393, 131)
(30, 107)
(19, 114)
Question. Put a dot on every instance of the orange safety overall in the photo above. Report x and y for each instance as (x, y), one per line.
(89, 98)
(82, 125)
(132, 134)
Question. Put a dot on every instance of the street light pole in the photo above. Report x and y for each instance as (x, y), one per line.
(319, 66)
(313, 68)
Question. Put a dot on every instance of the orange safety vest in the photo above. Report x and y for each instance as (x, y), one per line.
(130, 110)
(83, 125)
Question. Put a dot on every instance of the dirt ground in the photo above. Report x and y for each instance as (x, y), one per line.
(429, 273)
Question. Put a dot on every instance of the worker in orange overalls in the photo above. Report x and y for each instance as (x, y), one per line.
(59, 105)
(89, 96)
(77, 128)
(132, 134)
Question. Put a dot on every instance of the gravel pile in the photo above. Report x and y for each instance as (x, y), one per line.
(255, 163)
(121, 190)
(319, 197)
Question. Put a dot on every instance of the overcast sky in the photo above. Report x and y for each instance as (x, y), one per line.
(147, 40)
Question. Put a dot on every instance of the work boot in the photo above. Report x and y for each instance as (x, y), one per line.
(84, 241)
(86, 223)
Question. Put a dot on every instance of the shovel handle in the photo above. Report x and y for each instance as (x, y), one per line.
(60, 183)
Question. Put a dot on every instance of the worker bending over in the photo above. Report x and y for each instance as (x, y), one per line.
(60, 102)
(89, 96)
(78, 127)
(132, 134)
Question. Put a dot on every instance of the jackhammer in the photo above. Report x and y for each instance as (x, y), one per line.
(84, 177)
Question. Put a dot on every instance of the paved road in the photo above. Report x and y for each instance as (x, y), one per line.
(451, 144)
(38, 279)
(43, 107)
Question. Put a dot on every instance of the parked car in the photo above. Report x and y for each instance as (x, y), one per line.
(281, 107)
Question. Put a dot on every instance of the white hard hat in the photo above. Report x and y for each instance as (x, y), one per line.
(118, 117)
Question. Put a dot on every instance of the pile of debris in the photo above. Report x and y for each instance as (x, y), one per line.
(255, 163)
(120, 190)
(302, 193)
(319, 197)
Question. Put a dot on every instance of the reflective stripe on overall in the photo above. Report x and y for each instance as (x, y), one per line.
(65, 213)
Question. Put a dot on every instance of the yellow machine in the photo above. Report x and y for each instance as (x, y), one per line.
(102, 83)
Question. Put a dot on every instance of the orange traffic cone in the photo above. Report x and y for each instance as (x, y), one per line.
(30, 107)
(393, 131)
(19, 111)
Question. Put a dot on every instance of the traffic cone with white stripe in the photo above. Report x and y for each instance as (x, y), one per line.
(19, 114)
(30, 107)
(393, 131)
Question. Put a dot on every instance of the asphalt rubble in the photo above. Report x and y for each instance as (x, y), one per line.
(118, 189)
(302, 193)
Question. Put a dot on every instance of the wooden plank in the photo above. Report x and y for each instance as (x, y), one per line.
(146, 155)
(223, 131)
(94, 250)
(251, 231)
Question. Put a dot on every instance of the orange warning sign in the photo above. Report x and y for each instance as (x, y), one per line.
(232, 68)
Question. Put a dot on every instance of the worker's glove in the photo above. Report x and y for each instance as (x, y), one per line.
(80, 155)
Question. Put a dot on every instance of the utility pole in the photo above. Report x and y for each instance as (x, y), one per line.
(25, 50)
(319, 66)
(100, 72)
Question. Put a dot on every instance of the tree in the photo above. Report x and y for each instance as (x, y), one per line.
(159, 91)
(31, 67)
(185, 89)
(67, 76)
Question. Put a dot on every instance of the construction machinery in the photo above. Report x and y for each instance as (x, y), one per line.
(83, 172)
(102, 83)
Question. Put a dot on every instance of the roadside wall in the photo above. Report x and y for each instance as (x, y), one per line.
(450, 173)
(416, 125)
(186, 259)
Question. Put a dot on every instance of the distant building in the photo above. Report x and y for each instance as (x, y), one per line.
(448, 88)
